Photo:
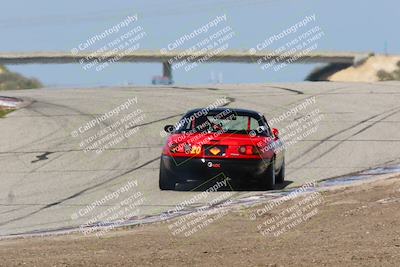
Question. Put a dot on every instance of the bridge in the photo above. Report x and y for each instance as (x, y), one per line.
(176, 57)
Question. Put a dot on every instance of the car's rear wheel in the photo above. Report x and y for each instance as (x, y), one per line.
(166, 182)
(280, 178)
(268, 181)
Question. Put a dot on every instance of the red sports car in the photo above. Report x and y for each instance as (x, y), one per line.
(206, 143)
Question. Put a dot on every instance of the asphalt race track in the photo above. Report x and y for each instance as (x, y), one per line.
(46, 177)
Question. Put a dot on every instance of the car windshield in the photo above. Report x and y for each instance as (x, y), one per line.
(224, 122)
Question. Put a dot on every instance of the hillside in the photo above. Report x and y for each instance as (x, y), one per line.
(375, 68)
(15, 81)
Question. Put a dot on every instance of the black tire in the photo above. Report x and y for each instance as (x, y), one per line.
(166, 182)
(280, 178)
(268, 181)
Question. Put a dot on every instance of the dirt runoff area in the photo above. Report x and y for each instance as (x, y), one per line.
(353, 226)
(367, 71)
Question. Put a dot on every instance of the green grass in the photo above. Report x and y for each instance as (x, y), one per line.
(4, 112)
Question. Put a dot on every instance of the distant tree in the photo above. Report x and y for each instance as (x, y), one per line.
(390, 76)
(323, 73)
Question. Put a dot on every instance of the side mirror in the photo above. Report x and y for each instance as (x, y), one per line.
(169, 128)
(275, 132)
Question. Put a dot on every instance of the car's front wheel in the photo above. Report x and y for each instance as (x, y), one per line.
(166, 182)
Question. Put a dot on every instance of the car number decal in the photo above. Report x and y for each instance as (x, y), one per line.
(195, 150)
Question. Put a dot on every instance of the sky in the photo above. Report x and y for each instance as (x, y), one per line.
(47, 25)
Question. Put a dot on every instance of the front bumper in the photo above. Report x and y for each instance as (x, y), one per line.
(203, 169)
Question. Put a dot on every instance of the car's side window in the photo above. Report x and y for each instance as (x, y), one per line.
(267, 128)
